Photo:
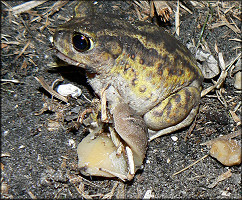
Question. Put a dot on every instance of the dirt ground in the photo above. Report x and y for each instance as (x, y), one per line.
(37, 163)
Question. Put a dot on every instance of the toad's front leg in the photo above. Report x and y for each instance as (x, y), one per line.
(174, 112)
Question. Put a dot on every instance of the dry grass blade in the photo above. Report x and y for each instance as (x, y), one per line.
(185, 8)
(177, 19)
(111, 193)
(25, 6)
(54, 8)
(225, 22)
(9, 80)
(190, 165)
(5, 155)
(80, 190)
(236, 39)
(23, 50)
(50, 90)
(32, 196)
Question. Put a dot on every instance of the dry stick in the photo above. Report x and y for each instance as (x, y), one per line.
(25, 6)
(32, 196)
(110, 194)
(185, 8)
(23, 50)
(54, 8)
(82, 193)
(50, 90)
(9, 80)
(191, 128)
(177, 19)
(190, 165)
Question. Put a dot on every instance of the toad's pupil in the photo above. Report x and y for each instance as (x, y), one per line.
(80, 42)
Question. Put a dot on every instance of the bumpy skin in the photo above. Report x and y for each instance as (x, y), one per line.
(143, 65)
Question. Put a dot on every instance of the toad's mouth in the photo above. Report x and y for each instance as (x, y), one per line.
(68, 59)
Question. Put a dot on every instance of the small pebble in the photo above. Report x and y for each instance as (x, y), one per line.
(21, 147)
(69, 89)
(174, 138)
(72, 143)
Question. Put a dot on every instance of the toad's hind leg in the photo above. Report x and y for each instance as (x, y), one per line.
(174, 112)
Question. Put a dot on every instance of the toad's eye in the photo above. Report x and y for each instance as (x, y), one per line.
(81, 42)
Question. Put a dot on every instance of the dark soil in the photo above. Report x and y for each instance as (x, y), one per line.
(43, 163)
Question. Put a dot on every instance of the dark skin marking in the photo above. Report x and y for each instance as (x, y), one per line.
(177, 98)
(168, 108)
(158, 113)
(159, 70)
(141, 61)
(133, 81)
(172, 72)
(188, 98)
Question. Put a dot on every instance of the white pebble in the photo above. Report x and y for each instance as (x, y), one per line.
(51, 39)
(174, 138)
(72, 143)
(69, 89)
(149, 194)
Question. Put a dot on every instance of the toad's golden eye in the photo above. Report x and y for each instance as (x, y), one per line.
(81, 42)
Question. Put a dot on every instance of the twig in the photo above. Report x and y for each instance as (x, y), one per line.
(9, 80)
(32, 196)
(50, 90)
(177, 19)
(23, 50)
(25, 6)
(190, 165)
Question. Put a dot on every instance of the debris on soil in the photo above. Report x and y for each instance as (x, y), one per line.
(190, 165)
(220, 178)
